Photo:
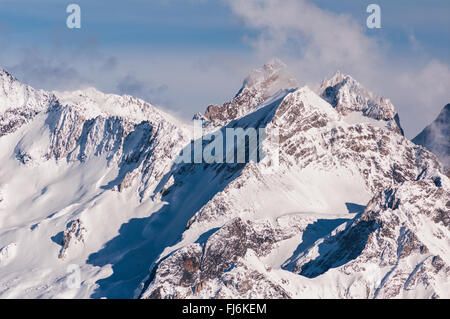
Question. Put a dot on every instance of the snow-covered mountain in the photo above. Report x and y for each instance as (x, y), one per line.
(258, 87)
(19, 103)
(350, 98)
(71, 175)
(350, 209)
(251, 238)
(436, 137)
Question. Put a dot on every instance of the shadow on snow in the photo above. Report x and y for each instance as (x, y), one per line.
(141, 241)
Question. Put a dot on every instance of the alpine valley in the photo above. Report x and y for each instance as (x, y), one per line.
(90, 186)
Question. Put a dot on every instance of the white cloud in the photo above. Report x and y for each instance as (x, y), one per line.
(423, 92)
(323, 38)
(316, 42)
(312, 41)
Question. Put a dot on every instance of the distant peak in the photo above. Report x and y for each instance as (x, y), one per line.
(275, 64)
(435, 137)
(270, 78)
(4, 73)
(444, 116)
(337, 78)
(262, 84)
(347, 95)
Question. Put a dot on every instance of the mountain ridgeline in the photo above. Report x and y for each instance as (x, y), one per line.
(341, 206)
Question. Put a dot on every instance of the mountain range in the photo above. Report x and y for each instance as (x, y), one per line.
(350, 208)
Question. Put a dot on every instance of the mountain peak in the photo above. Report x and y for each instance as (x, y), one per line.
(270, 78)
(347, 95)
(259, 86)
(338, 77)
(19, 103)
(92, 103)
(6, 75)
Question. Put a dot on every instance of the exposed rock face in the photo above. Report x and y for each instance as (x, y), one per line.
(129, 132)
(409, 225)
(260, 85)
(313, 135)
(436, 137)
(389, 244)
(207, 266)
(293, 224)
(19, 103)
(72, 237)
(347, 95)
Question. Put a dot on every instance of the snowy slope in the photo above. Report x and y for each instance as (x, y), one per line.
(90, 181)
(247, 240)
(19, 103)
(71, 175)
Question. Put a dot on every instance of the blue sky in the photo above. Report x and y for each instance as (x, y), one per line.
(185, 54)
